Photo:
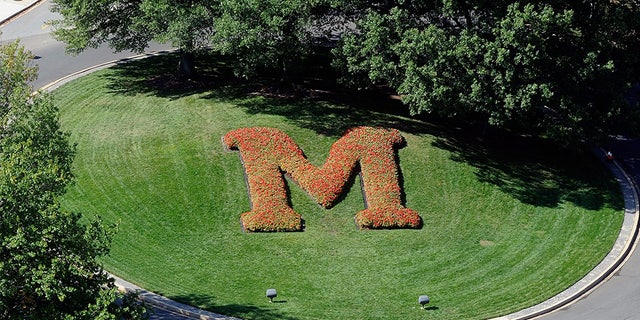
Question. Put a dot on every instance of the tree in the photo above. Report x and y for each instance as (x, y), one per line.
(553, 68)
(259, 34)
(48, 267)
(132, 25)
(269, 34)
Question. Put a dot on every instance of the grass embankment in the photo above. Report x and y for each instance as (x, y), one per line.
(507, 223)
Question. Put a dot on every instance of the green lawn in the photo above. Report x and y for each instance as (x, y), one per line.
(507, 222)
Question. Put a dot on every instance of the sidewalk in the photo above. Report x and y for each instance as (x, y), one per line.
(12, 8)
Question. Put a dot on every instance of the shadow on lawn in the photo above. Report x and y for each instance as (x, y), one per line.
(235, 310)
(331, 118)
(532, 170)
(157, 76)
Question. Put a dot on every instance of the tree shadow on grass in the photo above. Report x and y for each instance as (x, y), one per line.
(315, 92)
(534, 171)
(330, 118)
(235, 310)
(158, 76)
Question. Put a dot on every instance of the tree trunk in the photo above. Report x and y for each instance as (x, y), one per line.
(289, 73)
(186, 68)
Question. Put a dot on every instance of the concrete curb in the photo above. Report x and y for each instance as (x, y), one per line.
(623, 247)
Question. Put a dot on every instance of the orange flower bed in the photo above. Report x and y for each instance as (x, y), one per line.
(267, 152)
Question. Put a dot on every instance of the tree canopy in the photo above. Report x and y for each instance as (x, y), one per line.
(257, 33)
(556, 68)
(266, 33)
(48, 267)
(132, 25)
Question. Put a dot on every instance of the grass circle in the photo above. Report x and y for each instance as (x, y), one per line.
(507, 223)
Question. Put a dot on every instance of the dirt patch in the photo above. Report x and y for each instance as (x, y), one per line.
(487, 243)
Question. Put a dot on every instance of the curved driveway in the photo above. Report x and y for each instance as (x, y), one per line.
(615, 299)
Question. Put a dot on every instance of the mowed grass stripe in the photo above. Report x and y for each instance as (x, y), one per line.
(496, 237)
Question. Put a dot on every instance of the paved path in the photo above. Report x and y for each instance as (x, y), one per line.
(590, 299)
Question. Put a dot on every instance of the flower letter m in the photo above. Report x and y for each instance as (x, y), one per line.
(268, 153)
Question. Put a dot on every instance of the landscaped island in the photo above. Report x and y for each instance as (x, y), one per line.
(507, 222)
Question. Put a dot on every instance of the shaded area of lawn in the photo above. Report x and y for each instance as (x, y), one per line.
(533, 170)
(241, 311)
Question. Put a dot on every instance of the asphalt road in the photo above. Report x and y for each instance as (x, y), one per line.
(616, 299)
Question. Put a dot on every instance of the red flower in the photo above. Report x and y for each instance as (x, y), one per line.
(266, 153)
